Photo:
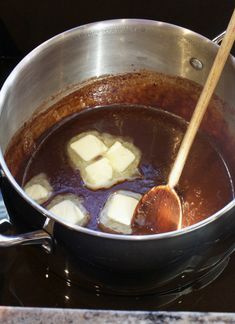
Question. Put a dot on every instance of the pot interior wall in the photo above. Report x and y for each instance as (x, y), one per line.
(174, 94)
(110, 47)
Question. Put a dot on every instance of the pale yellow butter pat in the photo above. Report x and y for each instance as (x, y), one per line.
(121, 209)
(37, 192)
(68, 211)
(99, 172)
(119, 157)
(88, 147)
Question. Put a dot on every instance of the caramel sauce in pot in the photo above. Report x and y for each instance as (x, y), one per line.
(126, 107)
(205, 186)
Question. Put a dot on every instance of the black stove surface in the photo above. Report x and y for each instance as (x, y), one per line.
(27, 280)
(25, 276)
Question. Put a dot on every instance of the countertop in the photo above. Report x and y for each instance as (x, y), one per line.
(9, 315)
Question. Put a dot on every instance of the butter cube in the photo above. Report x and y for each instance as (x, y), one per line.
(37, 192)
(38, 188)
(88, 147)
(103, 160)
(121, 209)
(69, 211)
(99, 173)
(118, 211)
(119, 157)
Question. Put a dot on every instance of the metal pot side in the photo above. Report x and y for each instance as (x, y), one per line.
(115, 47)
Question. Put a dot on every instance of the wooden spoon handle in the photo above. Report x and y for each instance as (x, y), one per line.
(203, 102)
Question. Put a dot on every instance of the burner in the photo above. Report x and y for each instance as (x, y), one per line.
(28, 279)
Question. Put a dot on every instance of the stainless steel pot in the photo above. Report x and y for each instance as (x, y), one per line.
(114, 47)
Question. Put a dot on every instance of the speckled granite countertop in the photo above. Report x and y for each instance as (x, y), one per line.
(11, 315)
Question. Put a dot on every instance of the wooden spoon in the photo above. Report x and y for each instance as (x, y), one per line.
(160, 209)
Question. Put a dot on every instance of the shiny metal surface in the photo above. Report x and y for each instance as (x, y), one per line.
(196, 64)
(97, 49)
(114, 47)
(218, 39)
(36, 237)
(108, 47)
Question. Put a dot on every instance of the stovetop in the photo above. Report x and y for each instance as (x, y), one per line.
(27, 280)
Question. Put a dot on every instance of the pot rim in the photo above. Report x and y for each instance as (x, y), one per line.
(96, 27)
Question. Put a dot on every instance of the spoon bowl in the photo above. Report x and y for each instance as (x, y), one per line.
(160, 210)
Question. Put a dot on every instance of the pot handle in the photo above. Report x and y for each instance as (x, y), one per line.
(41, 237)
(218, 39)
(36, 237)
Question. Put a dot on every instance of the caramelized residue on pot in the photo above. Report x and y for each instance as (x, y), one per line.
(205, 185)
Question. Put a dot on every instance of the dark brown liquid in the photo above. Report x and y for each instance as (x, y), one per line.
(205, 185)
